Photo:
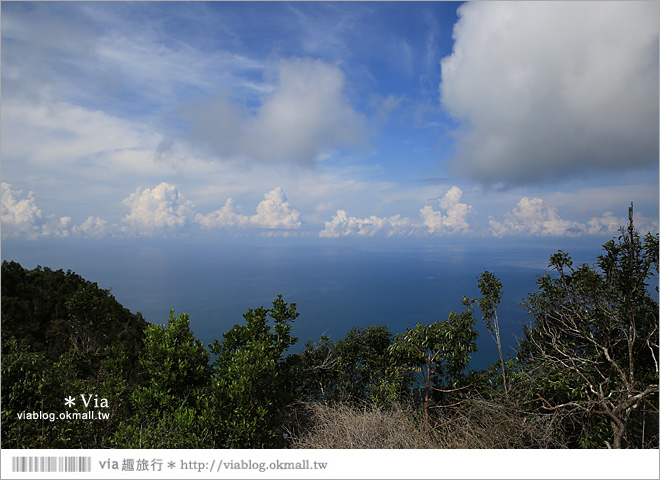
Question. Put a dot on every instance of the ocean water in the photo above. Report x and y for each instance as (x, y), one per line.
(335, 286)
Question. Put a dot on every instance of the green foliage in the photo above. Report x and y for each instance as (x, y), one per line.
(56, 311)
(25, 387)
(253, 383)
(491, 291)
(592, 347)
(174, 362)
(169, 407)
(62, 335)
(440, 351)
(354, 370)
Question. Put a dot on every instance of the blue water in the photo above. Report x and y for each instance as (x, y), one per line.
(335, 286)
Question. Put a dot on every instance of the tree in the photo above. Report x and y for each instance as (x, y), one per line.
(593, 340)
(252, 384)
(491, 289)
(171, 408)
(63, 335)
(439, 353)
(356, 368)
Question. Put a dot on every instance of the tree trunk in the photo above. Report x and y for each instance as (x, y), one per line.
(428, 388)
(499, 348)
(618, 429)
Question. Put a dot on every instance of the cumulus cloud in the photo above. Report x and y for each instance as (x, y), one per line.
(643, 224)
(453, 220)
(156, 209)
(22, 216)
(342, 225)
(94, 227)
(430, 221)
(532, 217)
(608, 223)
(56, 227)
(224, 217)
(273, 212)
(545, 90)
(306, 115)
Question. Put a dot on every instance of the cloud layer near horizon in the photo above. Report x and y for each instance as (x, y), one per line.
(551, 90)
(163, 210)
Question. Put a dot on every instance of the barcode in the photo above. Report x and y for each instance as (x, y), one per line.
(51, 464)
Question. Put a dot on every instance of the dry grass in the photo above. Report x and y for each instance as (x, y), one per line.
(486, 424)
(477, 424)
(342, 426)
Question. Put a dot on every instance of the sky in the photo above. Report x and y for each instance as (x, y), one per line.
(321, 120)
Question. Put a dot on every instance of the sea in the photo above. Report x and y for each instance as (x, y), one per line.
(336, 284)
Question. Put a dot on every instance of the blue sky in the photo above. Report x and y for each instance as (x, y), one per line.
(328, 120)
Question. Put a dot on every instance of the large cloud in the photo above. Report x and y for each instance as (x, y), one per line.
(224, 217)
(95, 227)
(273, 212)
(19, 215)
(533, 217)
(156, 209)
(452, 220)
(342, 225)
(22, 216)
(545, 90)
(306, 115)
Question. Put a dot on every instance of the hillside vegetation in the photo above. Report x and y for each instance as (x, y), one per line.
(585, 374)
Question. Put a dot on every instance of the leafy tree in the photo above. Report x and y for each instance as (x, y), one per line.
(491, 289)
(593, 343)
(253, 383)
(25, 388)
(316, 370)
(56, 311)
(171, 407)
(62, 335)
(356, 368)
(439, 353)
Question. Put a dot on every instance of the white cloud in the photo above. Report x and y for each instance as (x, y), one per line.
(225, 217)
(533, 217)
(546, 90)
(430, 221)
(156, 209)
(643, 224)
(305, 116)
(454, 219)
(19, 216)
(70, 136)
(342, 225)
(273, 212)
(94, 227)
(56, 227)
(609, 224)
(22, 217)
